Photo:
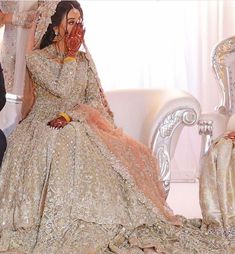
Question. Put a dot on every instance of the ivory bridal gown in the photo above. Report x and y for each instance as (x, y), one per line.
(85, 188)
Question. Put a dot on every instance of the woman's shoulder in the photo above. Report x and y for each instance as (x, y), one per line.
(85, 58)
(46, 55)
(38, 53)
(47, 52)
(81, 56)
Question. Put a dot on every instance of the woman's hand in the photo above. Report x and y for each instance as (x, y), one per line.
(231, 135)
(1, 18)
(74, 40)
(5, 18)
(59, 122)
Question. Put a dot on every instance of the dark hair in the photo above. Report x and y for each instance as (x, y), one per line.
(62, 9)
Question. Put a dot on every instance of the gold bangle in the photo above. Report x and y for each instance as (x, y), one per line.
(69, 59)
(66, 116)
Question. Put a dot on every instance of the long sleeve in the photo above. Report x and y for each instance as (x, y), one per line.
(2, 90)
(94, 97)
(51, 75)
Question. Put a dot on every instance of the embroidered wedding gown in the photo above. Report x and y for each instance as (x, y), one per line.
(86, 188)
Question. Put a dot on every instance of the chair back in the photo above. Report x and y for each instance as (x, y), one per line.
(223, 65)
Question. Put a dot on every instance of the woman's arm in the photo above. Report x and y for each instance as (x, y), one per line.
(94, 97)
(24, 19)
(58, 80)
(93, 92)
(44, 70)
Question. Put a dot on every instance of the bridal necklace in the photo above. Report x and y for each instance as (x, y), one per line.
(60, 55)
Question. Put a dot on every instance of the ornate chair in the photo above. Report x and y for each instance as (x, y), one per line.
(156, 118)
(213, 125)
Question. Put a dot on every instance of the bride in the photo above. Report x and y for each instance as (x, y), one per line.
(71, 182)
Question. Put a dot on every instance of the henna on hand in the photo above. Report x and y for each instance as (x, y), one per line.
(58, 123)
(74, 40)
(231, 135)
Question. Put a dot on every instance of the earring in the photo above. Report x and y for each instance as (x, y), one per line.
(55, 39)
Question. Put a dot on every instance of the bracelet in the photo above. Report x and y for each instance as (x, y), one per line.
(65, 116)
(69, 59)
(17, 19)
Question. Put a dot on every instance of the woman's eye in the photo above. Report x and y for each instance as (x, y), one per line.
(71, 22)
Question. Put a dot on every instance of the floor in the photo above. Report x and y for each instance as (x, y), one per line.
(183, 198)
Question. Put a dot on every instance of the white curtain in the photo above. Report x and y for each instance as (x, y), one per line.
(161, 44)
(158, 43)
(140, 43)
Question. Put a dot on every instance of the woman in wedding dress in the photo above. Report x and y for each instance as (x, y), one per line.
(71, 182)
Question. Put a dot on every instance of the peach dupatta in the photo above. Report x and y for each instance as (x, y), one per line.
(135, 157)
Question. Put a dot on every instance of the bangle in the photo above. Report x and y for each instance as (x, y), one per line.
(65, 116)
(69, 59)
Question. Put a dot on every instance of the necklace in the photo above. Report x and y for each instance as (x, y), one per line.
(60, 55)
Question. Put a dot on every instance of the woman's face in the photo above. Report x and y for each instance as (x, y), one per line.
(69, 21)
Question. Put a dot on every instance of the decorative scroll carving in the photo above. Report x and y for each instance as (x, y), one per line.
(218, 64)
(205, 127)
(186, 116)
(164, 162)
(206, 130)
(162, 138)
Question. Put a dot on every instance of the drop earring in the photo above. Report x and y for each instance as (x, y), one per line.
(56, 36)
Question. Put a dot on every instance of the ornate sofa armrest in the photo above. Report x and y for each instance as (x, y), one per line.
(211, 126)
(156, 118)
(176, 110)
